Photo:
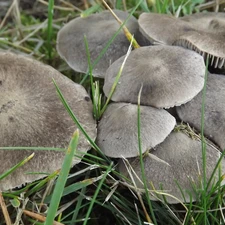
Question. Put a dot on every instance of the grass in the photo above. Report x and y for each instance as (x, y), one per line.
(92, 193)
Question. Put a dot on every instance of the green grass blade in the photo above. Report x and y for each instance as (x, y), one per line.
(67, 107)
(141, 158)
(49, 30)
(204, 144)
(96, 193)
(59, 187)
(21, 163)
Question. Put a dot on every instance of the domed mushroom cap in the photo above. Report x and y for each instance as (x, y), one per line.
(117, 130)
(31, 114)
(99, 29)
(180, 164)
(162, 28)
(170, 76)
(214, 125)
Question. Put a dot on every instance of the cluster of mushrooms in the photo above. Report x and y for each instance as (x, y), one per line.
(170, 68)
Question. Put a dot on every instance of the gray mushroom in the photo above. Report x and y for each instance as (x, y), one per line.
(171, 76)
(201, 32)
(99, 29)
(178, 169)
(117, 130)
(31, 114)
(162, 28)
(214, 115)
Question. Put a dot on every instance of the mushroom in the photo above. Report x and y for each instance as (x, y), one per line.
(177, 170)
(203, 33)
(160, 28)
(117, 130)
(31, 114)
(171, 76)
(99, 29)
(214, 113)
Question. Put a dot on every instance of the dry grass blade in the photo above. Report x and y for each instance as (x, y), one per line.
(125, 30)
(39, 217)
(4, 210)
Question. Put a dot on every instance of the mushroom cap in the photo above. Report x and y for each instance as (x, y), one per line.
(118, 131)
(214, 113)
(99, 29)
(179, 163)
(201, 32)
(162, 28)
(31, 114)
(170, 76)
(208, 21)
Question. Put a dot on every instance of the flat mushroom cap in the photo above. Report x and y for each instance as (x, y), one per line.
(162, 28)
(208, 21)
(31, 114)
(117, 130)
(201, 32)
(214, 113)
(179, 163)
(170, 76)
(99, 29)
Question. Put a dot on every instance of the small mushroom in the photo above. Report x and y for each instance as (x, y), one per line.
(171, 76)
(214, 112)
(177, 171)
(99, 29)
(32, 115)
(117, 130)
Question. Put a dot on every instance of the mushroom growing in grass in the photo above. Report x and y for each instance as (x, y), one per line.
(99, 29)
(32, 115)
(214, 110)
(170, 75)
(203, 33)
(178, 171)
(117, 130)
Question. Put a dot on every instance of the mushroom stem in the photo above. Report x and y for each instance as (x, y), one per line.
(127, 33)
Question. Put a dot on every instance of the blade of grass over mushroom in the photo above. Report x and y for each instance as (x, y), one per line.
(21, 163)
(49, 30)
(141, 159)
(204, 144)
(109, 169)
(58, 190)
(116, 79)
(67, 107)
(127, 33)
(91, 77)
(110, 42)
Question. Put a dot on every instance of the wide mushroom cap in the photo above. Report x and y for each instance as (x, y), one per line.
(214, 110)
(99, 29)
(118, 131)
(175, 169)
(31, 114)
(201, 32)
(170, 76)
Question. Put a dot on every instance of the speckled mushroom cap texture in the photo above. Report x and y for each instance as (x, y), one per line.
(98, 28)
(201, 32)
(31, 114)
(170, 76)
(176, 165)
(214, 110)
(117, 130)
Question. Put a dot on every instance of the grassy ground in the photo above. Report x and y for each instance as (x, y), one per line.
(93, 193)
